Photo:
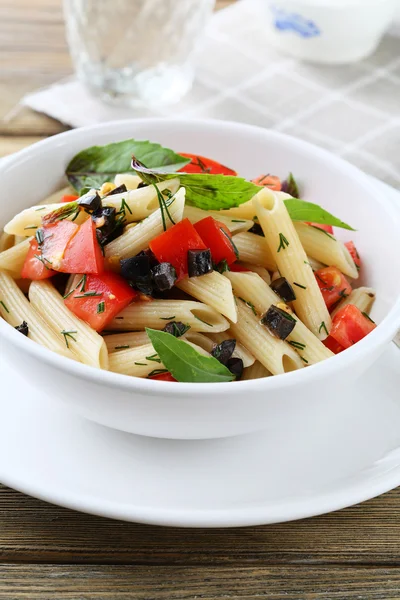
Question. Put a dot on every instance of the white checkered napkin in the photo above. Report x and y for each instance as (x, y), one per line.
(352, 110)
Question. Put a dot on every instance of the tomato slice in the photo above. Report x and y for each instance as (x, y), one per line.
(350, 326)
(163, 377)
(201, 164)
(333, 345)
(271, 181)
(99, 298)
(333, 285)
(69, 198)
(83, 252)
(218, 238)
(35, 267)
(327, 228)
(354, 254)
(172, 246)
(236, 268)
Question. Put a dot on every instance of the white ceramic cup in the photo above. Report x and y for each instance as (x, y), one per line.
(328, 31)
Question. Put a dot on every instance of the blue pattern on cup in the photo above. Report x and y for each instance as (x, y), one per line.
(285, 21)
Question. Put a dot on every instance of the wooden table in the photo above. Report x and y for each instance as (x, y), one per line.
(48, 552)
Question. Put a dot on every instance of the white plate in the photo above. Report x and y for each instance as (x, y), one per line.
(345, 456)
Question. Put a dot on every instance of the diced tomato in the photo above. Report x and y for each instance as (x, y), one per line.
(236, 268)
(201, 164)
(271, 181)
(327, 228)
(83, 252)
(35, 267)
(350, 326)
(56, 237)
(163, 377)
(99, 298)
(69, 198)
(333, 345)
(172, 246)
(333, 285)
(354, 254)
(218, 238)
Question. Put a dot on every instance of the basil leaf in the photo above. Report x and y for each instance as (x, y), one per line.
(184, 362)
(300, 210)
(97, 164)
(290, 186)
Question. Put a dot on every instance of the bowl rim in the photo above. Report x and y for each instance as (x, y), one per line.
(381, 335)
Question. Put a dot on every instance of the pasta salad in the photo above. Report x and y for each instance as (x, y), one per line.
(171, 267)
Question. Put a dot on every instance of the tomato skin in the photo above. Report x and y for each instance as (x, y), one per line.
(333, 345)
(271, 181)
(217, 237)
(333, 285)
(327, 228)
(172, 246)
(163, 377)
(201, 164)
(34, 268)
(83, 252)
(236, 268)
(115, 293)
(354, 254)
(350, 326)
(69, 198)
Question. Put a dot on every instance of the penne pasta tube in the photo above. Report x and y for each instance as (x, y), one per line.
(254, 249)
(255, 371)
(140, 203)
(130, 181)
(137, 238)
(234, 225)
(291, 260)
(135, 361)
(123, 341)
(84, 342)
(26, 222)
(315, 264)
(326, 249)
(6, 241)
(261, 271)
(157, 313)
(212, 289)
(362, 297)
(12, 260)
(276, 355)
(15, 308)
(252, 289)
(239, 352)
(55, 197)
(246, 210)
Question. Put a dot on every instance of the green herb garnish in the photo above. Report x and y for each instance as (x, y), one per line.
(202, 321)
(154, 358)
(155, 372)
(68, 334)
(297, 345)
(290, 186)
(228, 237)
(304, 360)
(303, 287)
(323, 231)
(31, 227)
(101, 307)
(39, 235)
(184, 362)
(368, 317)
(249, 304)
(4, 306)
(167, 318)
(89, 293)
(122, 347)
(323, 326)
(283, 243)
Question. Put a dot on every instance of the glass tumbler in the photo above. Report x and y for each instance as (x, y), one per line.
(135, 52)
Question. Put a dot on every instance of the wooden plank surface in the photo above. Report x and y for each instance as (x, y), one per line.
(51, 553)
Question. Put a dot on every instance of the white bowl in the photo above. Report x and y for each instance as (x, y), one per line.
(195, 411)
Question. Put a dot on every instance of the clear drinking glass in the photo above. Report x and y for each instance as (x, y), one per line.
(135, 52)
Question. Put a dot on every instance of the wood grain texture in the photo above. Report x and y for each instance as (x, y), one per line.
(29, 582)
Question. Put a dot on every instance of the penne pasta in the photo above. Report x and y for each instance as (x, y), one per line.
(130, 181)
(29, 220)
(252, 289)
(254, 249)
(6, 241)
(123, 341)
(84, 342)
(276, 355)
(239, 352)
(261, 271)
(12, 260)
(362, 297)
(326, 249)
(234, 225)
(212, 289)
(255, 371)
(135, 361)
(246, 210)
(137, 238)
(140, 203)
(157, 313)
(15, 308)
(291, 260)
